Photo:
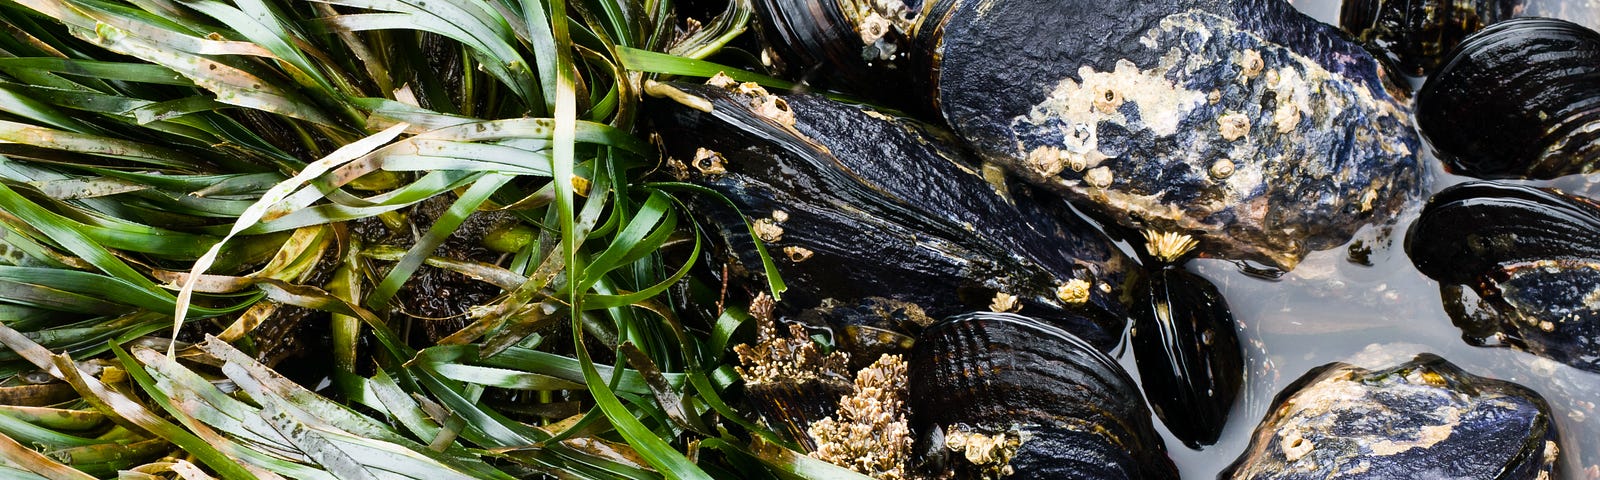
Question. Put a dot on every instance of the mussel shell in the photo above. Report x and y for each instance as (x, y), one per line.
(1190, 364)
(791, 407)
(1546, 308)
(1518, 99)
(820, 42)
(1415, 35)
(1268, 133)
(993, 371)
(883, 210)
(1422, 419)
(1466, 232)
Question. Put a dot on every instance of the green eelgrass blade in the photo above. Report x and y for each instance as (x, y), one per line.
(663, 457)
(124, 71)
(648, 61)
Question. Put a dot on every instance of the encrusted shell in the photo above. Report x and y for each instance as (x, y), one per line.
(1422, 419)
(1151, 95)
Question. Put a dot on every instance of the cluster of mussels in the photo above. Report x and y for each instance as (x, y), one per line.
(968, 265)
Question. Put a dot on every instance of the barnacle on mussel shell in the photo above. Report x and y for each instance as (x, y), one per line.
(1414, 35)
(882, 210)
(1422, 419)
(1190, 364)
(860, 46)
(1262, 131)
(1517, 100)
(1530, 258)
(1267, 133)
(1001, 395)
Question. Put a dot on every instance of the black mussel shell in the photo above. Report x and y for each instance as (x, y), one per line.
(1547, 308)
(1422, 419)
(1518, 267)
(860, 47)
(1466, 232)
(1190, 362)
(1414, 35)
(792, 406)
(1520, 99)
(1078, 412)
(865, 205)
(1266, 132)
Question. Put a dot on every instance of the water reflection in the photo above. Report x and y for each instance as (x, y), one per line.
(1378, 315)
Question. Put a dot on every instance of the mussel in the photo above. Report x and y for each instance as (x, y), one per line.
(1530, 259)
(998, 395)
(1191, 366)
(854, 203)
(860, 46)
(1519, 99)
(1421, 419)
(1414, 35)
(1263, 131)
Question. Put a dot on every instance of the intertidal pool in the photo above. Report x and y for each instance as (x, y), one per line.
(1376, 316)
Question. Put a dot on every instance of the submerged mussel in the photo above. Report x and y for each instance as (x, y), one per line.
(1190, 364)
(1530, 259)
(1414, 35)
(1518, 100)
(1421, 419)
(1263, 131)
(1005, 396)
(856, 204)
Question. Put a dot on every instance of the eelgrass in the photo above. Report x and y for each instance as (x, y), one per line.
(177, 168)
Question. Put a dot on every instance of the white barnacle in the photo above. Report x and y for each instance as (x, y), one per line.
(1233, 126)
(991, 452)
(1098, 177)
(750, 88)
(1250, 64)
(773, 108)
(797, 254)
(1286, 116)
(678, 169)
(722, 80)
(1046, 161)
(1107, 99)
(1222, 169)
(872, 28)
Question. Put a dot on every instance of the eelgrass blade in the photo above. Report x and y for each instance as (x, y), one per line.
(120, 407)
(37, 463)
(259, 209)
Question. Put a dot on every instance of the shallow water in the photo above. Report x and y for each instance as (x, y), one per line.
(1329, 309)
